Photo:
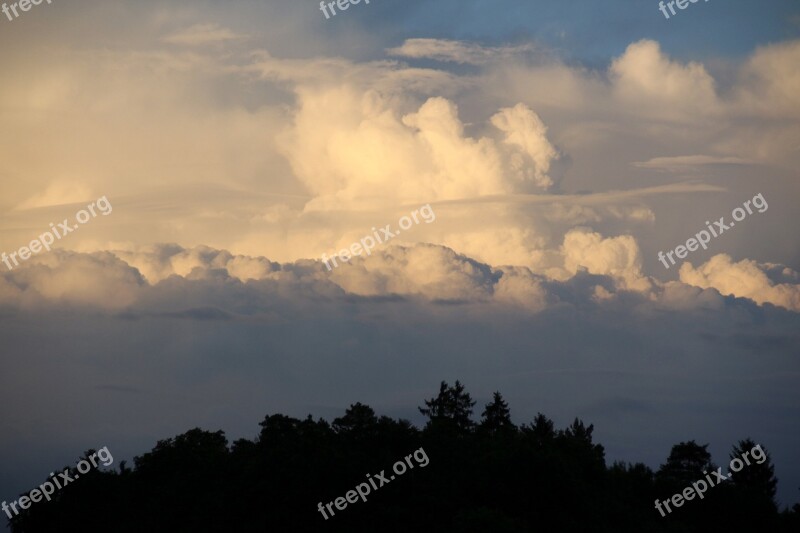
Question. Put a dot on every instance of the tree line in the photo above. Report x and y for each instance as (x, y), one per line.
(486, 476)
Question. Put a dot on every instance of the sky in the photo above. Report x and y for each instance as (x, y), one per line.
(548, 157)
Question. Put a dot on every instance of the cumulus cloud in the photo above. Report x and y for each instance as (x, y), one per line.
(366, 151)
(679, 296)
(97, 280)
(587, 269)
(615, 256)
(521, 287)
(435, 272)
(291, 157)
(167, 273)
(769, 82)
(525, 130)
(746, 279)
(158, 262)
(645, 77)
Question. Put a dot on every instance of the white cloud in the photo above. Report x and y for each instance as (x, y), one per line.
(290, 158)
(769, 82)
(132, 278)
(618, 257)
(744, 279)
(525, 130)
(364, 150)
(97, 280)
(645, 78)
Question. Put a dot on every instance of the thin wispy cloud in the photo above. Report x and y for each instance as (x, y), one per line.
(458, 51)
(682, 163)
(202, 34)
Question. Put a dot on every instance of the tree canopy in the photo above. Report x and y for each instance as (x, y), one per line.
(493, 476)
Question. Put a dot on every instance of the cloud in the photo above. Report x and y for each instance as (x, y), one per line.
(457, 51)
(745, 279)
(683, 163)
(606, 198)
(434, 272)
(364, 150)
(158, 262)
(59, 192)
(97, 280)
(618, 257)
(657, 86)
(202, 34)
(522, 288)
(210, 284)
(290, 157)
(525, 130)
(769, 82)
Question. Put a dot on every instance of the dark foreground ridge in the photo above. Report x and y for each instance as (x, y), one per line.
(489, 477)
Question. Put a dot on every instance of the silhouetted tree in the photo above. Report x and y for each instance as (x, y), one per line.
(359, 420)
(278, 427)
(756, 478)
(496, 417)
(686, 463)
(451, 408)
(541, 432)
(578, 438)
(754, 486)
(790, 519)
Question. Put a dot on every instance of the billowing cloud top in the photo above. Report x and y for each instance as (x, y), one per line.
(607, 269)
(304, 156)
